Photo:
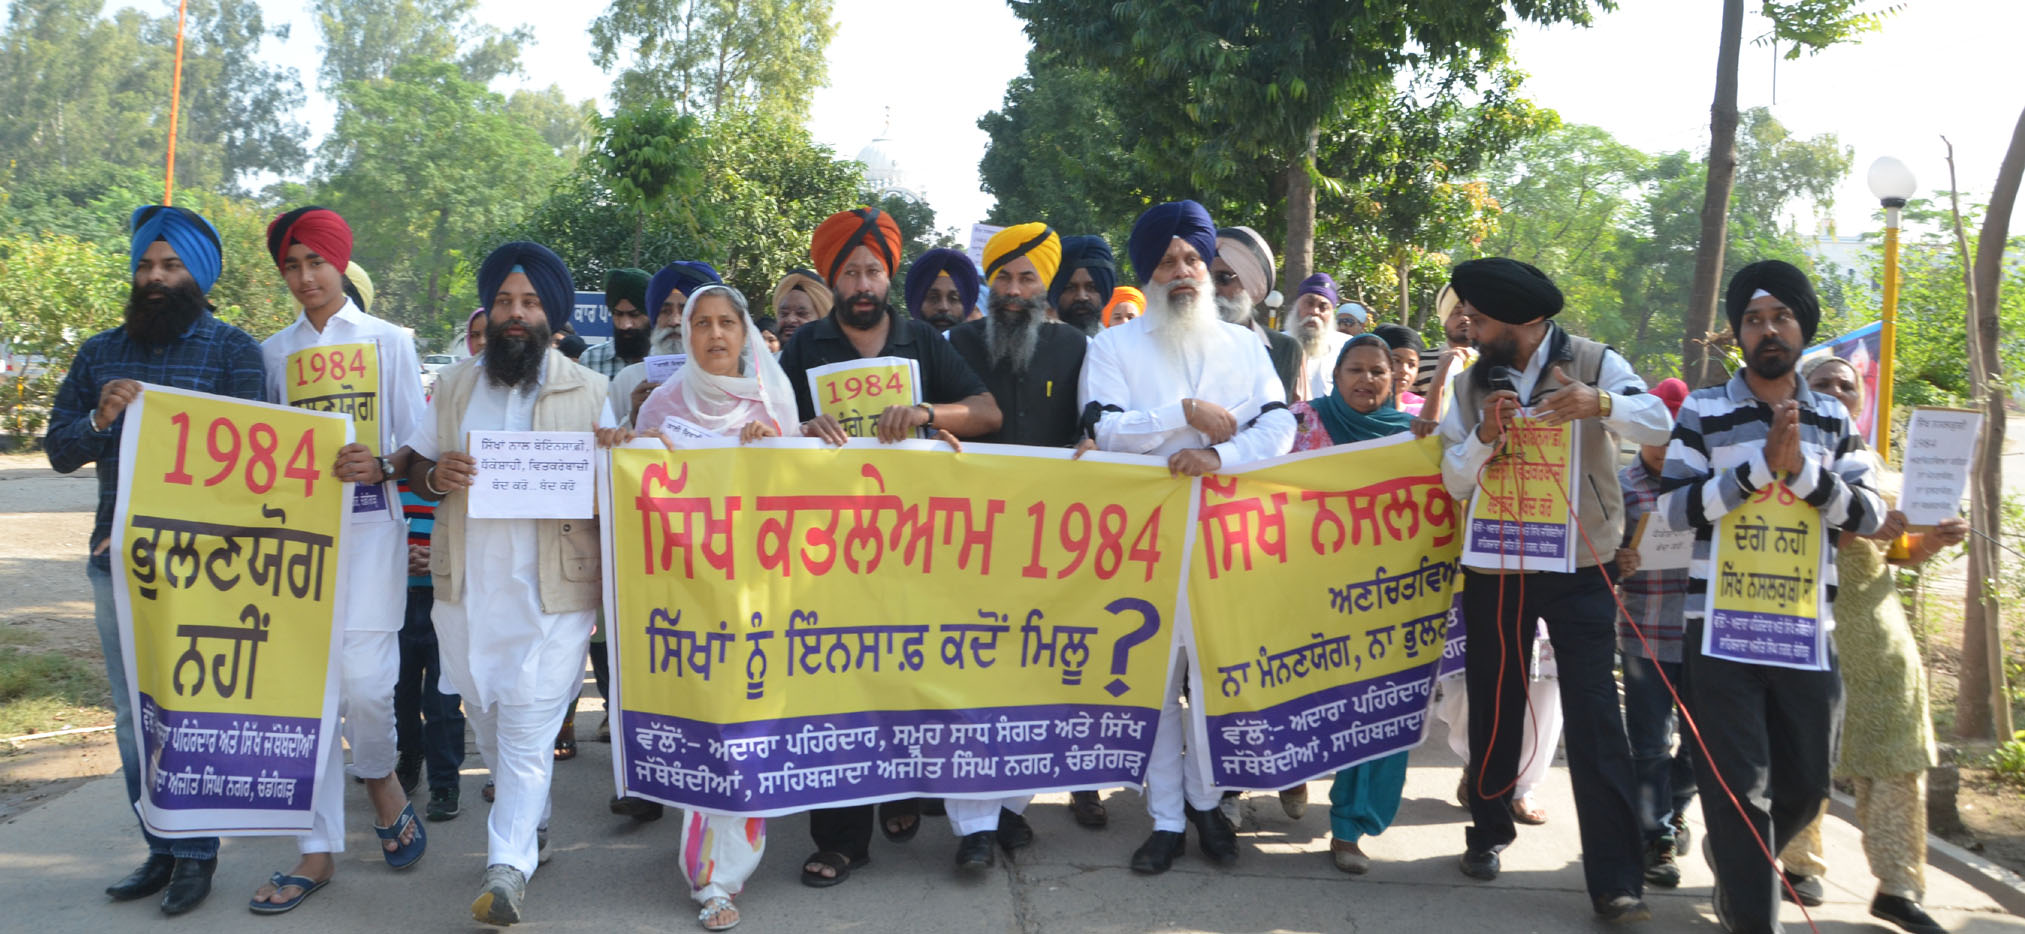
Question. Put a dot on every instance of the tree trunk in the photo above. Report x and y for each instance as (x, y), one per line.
(1982, 705)
(1297, 254)
(1404, 264)
(1701, 310)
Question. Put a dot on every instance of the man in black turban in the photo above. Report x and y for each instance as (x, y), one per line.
(1083, 283)
(1563, 380)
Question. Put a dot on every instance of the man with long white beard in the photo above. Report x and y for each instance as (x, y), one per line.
(1310, 325)
(1078, 292)
(1243, 272)
(1029, 363)
(1179, 382)
(515, 598)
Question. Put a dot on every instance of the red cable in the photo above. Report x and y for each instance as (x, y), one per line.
(1498, 709)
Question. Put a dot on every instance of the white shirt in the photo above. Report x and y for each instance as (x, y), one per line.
(375, 562)
(1635, 415)
(524, 655)
(1320, 369)
(1132, 368)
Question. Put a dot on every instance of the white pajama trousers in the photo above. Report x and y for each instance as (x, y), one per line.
(368, 665)
(518, 743)
(968, 816)
(1169, 781)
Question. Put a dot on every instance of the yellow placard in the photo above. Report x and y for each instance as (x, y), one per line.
(1768, 571)
(343, 378)
(857, 391)
(797, 627)
(226, 542)
(1319, 608)
(1521, 516)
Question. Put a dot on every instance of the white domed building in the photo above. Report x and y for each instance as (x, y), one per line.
(883, 172)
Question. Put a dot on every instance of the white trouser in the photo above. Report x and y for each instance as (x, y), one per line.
(368, 665)
(1543, 728)
(1168, 779)
(968, 816)
(719, 852)
(518, 743)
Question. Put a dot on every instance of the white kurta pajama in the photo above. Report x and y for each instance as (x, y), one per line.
(374, 564)
(1132, 368)
(1319, 369)
(519, 669)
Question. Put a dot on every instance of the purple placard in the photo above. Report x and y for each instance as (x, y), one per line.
(1331, 729)
(1528, 539)
(796, 763)
(1452, 652)
(228, 761)
(1764, 639)
(369, 498)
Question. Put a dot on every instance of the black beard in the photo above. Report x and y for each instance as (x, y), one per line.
(159, 314)
(1771, 367)
(941, 322)
(630, 344)
(1083, 315)
(515, 360)
(849, 316)
(1490, 356)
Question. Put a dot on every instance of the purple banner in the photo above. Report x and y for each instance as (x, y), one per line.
(227, 761)
(1458, 641)
(793, 764)
(1322, 732)
(1530, 539)
(1765, 638)
(369, 498)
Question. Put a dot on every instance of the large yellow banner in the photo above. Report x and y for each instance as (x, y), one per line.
(1318, 597)
(797, 626)
(226, 542)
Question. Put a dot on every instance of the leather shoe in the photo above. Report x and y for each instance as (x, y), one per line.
(1808, 887)
(150, 878)
(1088, 809)
(1215, 835)
(1480, 864)
(974, 851)
(189, 882)
(1905, 913)
(1158, 852)
(1013, 831)
(639, 809)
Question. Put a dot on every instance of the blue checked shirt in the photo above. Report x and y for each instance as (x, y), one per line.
(211, 356)
(1656, 600)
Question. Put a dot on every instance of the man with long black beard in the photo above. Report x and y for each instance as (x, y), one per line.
(515, 598)
(626, 301)
(169, 338)
(858, 251)
(1560, 378)
(1243, 272)
(1179, 382)
(1079, 290)
(1029, 363)
(1771, 732)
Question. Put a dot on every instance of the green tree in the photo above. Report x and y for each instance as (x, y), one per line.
(715, 57)
(645, 158)
(1062, 150)
(424, 164)
(1238, 90)
(364, 39)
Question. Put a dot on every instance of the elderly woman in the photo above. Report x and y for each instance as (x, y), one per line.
(1364, 798)
(1887, 731)
(730, 385)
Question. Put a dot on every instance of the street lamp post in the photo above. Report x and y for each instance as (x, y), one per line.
(1892, 183)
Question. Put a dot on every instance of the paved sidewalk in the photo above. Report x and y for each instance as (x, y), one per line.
(610, 874)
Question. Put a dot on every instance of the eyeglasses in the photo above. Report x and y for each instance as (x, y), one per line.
(1226, 278)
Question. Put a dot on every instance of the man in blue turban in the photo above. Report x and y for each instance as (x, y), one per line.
(1180, 382)
(169, 338)
(516, 599)
(942, 288)
(1083, 284)
(667, 294)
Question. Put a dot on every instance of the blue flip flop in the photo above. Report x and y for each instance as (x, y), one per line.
(281, 881)
(403, 856)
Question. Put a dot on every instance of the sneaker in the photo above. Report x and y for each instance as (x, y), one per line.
(409, 770)
(442, 804)
(1905, 913)
(1660, 868)
(1681, 836)
(500, 895)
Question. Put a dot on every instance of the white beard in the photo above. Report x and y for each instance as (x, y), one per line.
(668, 341)
(1011, 336)
(1187, 327)
(1234, 310)
(1313, 333)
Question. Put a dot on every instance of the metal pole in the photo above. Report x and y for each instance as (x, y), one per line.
(175, 105)
(1888, 349)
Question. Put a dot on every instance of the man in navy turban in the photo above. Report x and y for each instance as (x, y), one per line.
(1083, 283)
(530, 293)
(1181, 383)
(668, 293)
(942, 288)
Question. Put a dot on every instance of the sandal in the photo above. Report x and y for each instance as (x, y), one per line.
(486, 792)
(281, 881)
(407, 854)
(892, 811)
(837, 862)
(566, 743)
(718, 904)
(1524, 812)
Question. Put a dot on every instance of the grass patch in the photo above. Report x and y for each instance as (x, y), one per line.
(44, 691)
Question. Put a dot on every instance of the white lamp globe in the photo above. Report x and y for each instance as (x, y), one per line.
(1891, 181)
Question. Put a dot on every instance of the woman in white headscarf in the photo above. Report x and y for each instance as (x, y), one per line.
(730, 385)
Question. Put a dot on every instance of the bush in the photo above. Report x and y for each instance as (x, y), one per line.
(55, 291)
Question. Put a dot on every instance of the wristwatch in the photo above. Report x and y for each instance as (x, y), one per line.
(1602, 404)
(386, 468)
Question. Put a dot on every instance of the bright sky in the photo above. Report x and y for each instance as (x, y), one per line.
(1646, 73)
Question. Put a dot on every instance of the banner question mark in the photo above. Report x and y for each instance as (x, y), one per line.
(1121, 650)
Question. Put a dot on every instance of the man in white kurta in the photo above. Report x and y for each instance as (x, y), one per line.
(310, 364)
(1181, 383)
